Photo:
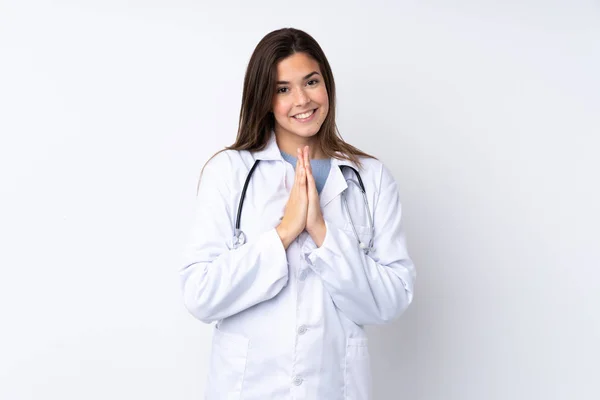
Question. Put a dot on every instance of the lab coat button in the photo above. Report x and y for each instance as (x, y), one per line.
(297, 381)
(301, 330)
(302, 275)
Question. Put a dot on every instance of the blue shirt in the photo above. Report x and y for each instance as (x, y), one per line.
(320, 169)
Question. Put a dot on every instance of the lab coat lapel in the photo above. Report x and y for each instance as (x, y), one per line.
(335, 183)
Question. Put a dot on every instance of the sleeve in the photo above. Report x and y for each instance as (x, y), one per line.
(374, 288)
(217, 280)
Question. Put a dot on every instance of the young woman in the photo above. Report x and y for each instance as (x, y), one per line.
(287, 253)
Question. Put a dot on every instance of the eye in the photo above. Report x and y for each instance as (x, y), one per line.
(314, 82)
(281, 90)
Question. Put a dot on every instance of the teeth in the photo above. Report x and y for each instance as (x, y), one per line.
(305, 115)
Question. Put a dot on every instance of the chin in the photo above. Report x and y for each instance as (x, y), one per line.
(307, 132)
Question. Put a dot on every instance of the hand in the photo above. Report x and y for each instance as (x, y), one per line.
(294, 216)
(315, 223)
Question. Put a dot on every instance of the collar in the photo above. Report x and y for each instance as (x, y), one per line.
(270, 152)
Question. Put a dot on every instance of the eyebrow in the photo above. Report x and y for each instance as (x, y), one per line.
(305, 78)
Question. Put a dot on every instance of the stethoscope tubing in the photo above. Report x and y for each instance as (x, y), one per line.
(239, 237)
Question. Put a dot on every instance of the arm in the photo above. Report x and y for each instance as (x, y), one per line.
(217, 280)
(374, 288)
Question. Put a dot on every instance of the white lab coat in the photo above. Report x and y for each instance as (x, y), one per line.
(290, 322)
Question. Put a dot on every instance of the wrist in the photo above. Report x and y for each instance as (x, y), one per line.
(318, 232)
(284, 235)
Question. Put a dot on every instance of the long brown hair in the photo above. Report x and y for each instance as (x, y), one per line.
(256, 119)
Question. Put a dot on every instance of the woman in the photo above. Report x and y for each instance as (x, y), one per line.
(312, 261)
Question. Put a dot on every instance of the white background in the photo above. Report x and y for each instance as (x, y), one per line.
(486, 112)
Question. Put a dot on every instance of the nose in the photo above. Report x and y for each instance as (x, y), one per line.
(301, 98)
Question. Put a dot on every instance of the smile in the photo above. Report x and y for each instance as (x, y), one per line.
(305, 117)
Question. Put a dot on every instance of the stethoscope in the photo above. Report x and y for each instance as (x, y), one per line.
(239, 238)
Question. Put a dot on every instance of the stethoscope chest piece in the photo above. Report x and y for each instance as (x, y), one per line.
(239, 238)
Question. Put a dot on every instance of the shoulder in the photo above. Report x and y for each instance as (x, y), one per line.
(227, 168)
(227, 160)
(217, 171)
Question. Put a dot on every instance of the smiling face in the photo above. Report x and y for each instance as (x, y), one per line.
(300, 103)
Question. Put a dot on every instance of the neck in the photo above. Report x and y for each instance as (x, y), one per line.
(289, 143)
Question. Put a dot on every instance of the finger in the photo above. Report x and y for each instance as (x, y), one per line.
(309, 172)
(307, 165)
(301, 156)
(310, 180)
(298, 153)
(298, 163)
(307, 158)
(300, 170)
(302, 177)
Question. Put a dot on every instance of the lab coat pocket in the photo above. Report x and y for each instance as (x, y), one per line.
(227, 366)
(358, 370)
(363, 232)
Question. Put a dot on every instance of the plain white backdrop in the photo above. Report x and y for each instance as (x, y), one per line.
(488, 113)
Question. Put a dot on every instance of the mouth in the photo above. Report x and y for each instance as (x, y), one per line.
(306, 116)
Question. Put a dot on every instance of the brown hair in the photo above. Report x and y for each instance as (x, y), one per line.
(256, 119)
